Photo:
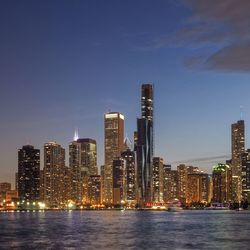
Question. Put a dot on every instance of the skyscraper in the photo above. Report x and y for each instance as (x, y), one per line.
(197, 187)
(238, 148)
(182, 172)
(83, 163)
(157, 179)
(246, 175)
(130, 182)
(54, 166)
(144, 146)
(94, 190)
(221, 175)
(113, 146)
(170, 183)
(119, 181)
(28, 173)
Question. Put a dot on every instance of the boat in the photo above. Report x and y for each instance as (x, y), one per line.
(174, 206)
(175, 209)
(218, 206)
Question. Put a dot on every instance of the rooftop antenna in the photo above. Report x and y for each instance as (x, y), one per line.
(76, 135)
(241, 112)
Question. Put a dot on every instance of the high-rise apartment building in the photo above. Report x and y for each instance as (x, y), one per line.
(54, 165)
(144, 146)
(113, 146)
(94, 190)
(197, 187)
(182, 172)
(158, 187)
(130, 168)
(119, 181)
(221, 184)
(246, 175)
(29, 173)
(238, 148)
(170, 183)
(83, 163)
(102, 183)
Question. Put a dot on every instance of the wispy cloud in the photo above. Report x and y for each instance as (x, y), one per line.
(225, 24)
(222, 25)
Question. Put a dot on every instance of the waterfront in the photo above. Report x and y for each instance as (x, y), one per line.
(125, 230)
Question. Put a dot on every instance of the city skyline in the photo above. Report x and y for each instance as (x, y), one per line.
(67, 74)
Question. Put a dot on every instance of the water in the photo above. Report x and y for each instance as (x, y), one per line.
(125, 230)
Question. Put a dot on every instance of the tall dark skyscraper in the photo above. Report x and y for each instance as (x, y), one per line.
(144, 146)
(238, 148)
(28, 173)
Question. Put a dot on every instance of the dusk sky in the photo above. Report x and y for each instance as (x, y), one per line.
(63, 64)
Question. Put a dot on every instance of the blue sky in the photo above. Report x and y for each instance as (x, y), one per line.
(63, 64)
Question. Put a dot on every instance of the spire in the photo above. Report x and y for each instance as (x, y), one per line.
(241, 112)
(127, 143)
(76, 135)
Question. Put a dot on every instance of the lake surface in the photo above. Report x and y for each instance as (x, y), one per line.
(125, 230)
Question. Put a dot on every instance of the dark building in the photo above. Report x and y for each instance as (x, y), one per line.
(119, 177)
(29, 173)
(129, 157)
(144, 146)
(238, 148)
(246, 175)
(94, 190)
(157, 179)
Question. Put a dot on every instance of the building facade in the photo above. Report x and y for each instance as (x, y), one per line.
(144, 146)
(221, 183)
(29, 173)
(83, 163)
(54, 166)
(113, 146)
(130, 168)
(158, 187)
(119, 181)
(246, 175)
(238, 148)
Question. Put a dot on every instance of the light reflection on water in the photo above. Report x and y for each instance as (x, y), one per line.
(125, 230)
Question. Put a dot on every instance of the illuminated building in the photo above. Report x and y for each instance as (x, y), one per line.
(157, 179)
(54, 164)
(75, 166)
(94, 190)
(238, 148)
(197, 187)
(119, 181)
(129, 157)
(221, 177)
(4, 187)
(102, 182)
(144, 146)
(83, 163)
(246, 175)
(113, 146)
(170, 183)
(182, 173)
(29, 173)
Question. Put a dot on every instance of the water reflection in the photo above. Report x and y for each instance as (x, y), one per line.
(125, 230)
